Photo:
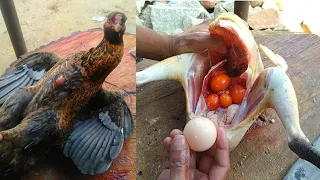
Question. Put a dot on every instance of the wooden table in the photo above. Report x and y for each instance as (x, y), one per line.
(122, 80)
(263, 153)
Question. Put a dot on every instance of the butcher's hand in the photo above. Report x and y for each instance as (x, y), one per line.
(213, 163)
(197, 39)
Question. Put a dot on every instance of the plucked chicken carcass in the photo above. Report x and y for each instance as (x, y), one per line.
(48, 102)
(264, 87)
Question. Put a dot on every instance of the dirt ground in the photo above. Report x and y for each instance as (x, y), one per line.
(45, 21)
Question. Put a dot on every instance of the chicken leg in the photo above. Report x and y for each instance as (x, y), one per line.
(274, 89)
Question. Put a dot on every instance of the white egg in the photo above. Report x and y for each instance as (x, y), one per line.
(200, 133)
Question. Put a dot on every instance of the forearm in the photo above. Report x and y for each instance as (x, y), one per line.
(153, 45)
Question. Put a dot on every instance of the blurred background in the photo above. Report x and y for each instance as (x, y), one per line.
(271, 15)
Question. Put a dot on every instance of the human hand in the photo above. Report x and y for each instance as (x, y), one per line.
(197, 39)
(213, 163)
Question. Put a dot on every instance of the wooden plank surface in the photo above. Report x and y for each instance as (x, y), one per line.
(263, 153)
(122, 80)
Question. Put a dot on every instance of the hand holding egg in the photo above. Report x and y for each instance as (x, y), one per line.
(213, 164)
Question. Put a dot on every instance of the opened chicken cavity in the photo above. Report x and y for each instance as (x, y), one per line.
(232, 67)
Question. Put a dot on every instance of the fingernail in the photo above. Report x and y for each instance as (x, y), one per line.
(179, 154)
(1, 137)
(179, 143)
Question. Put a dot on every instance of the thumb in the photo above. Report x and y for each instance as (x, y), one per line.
(200, 41)
(213, 42)
(179, 158)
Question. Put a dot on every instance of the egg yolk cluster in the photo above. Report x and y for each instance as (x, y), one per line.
(223, 93)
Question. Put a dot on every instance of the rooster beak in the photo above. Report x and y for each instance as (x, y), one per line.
(117, 27)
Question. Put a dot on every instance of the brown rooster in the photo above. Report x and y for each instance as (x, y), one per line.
(50, 103)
